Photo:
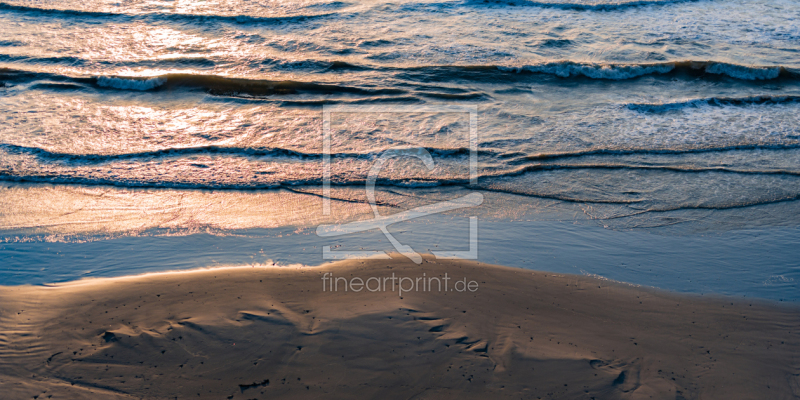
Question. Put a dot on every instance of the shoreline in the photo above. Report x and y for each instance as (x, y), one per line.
(254, 332)
(63, 233)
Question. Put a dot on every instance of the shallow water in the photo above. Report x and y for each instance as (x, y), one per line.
(652, 121)
(750, 263)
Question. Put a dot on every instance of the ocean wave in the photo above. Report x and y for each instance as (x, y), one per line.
(130, 83)
(213, 84)
(51, 156)
(652, 205)
(184, 63)
(244, 87)
(150, 16)
(665, 168)
(223, 85)
(611, 5)
(511, 159)
(155, 63)
(743, 72)
(657, 151)
(512, 167)
(411, 182)
(289, 185)
(712, 101)
(57, 86)
(567, 69)
(585, 5)
(322, 102)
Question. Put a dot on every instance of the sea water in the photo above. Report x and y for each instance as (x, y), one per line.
(651, 142)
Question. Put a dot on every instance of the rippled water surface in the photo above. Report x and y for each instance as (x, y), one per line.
(120, 118)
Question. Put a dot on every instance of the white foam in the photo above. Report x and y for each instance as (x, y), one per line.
(743, 72)
(135, 84)
(566, 69)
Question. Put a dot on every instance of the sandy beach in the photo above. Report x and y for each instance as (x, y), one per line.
(177, 179)
(273, 332)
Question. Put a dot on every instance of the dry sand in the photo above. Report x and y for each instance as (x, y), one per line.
(259, 333)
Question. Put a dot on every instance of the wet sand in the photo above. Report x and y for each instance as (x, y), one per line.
(255, 332)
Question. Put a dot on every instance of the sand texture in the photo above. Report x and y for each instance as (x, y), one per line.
(263, 333)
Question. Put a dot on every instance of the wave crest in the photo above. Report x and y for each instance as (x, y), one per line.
(149, 16)
(131, 83)
(711, 101)
(592, 6)
(567, 69)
